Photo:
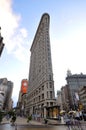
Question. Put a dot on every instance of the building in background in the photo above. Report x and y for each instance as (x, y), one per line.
(82, 97)
(24, 86)
(59, 99)
(1, 43)
(21, 104)
(65, 95)
(2, 97)
(40, 93)
(74, 82)
(7, 88)
(10, 104)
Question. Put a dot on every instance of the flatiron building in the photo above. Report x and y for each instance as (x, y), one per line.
(40, 93)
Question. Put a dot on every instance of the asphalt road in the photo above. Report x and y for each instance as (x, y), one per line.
(38, 127)
(30, 127)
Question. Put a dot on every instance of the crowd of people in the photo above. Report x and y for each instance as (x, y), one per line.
(73, 118)
(78, 115)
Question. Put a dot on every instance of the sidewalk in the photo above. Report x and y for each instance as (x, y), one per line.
(23, 121)
(56, 122)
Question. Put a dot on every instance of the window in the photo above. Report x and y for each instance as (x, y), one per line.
(50, 85)
(47, 103)
(43, 87)
(50, 94)
(39, 90)
(47, 95)
(51, 103)
(43, 96)
(36, 91)
(39, 98)
(34, 99)
(47, 85)
(50, 77)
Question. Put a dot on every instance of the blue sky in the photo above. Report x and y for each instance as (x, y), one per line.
(19, 20)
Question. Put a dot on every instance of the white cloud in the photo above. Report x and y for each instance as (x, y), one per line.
(14, 36)
(8, 20)
(24, 32)
(16, 42)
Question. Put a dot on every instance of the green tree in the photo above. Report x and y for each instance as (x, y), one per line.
(29, 118)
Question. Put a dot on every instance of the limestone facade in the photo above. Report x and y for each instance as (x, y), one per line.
(41, 85)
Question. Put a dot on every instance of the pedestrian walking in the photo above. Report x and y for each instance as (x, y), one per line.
(67, 121)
